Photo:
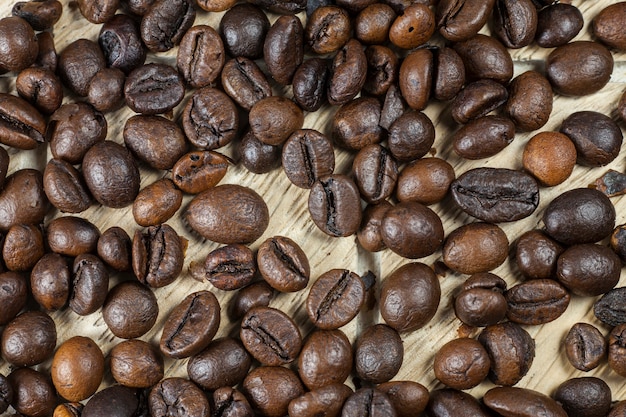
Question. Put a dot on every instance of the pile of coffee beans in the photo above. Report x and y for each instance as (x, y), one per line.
(312, 208)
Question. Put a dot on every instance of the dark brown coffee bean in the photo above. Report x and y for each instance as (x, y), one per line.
(369, 234)
(335, 205)
(368, 402)
(243, 29)
(477, 99)
(530, 101)
(47, 57)
(245, 83)
(522, 402)
(79, 62)
(72, 236)
(98, 11)
(77, 368)
(326, 401)
(19, 46)
(178, 396)
(461, 363)
(22, 199)
(121, 43)
(306, 156)
(511, 351)
(283, 264)
(407, 397)
(375, 172)
(415, 78)
(216, 5)
(230, 267)
(411, 136)
(238, 206)
(550, 157)
(584, 397)
(198, 171)
(23, 247)
(612, 183)
(589, 269)
(158, 254)
(356, 124)
(29, 339)
(460, 21)
(596, 136)
(157, 203)
(90, 283)
(558, 24)
(318, 367)
(485, 57)
(50, 281)
(6, 393)
(270, 336)
(210, 119)
(281, 7)
(425, 181)
(13, 295)
(21, 125)
(481, 300)
(201, 56)
(40, 15)
(536, 255)
(327, 29)
(412, 230)
(611, 307)
(4, 165)
(618, 410)
(382, 69)
(448, 402)
(585, 347)
(33, 392)
(224, 362)
(283, 49)
(310, 83)
(335, 299)
(581, 215)
(347, 74)
(273, 119)
(256, 156)
(136, 364)
(73, 129)
(40, 87)
(165, 23)
(116, 400)
(65, 187)
(449, 74)
(270, 389)
(515, 22)
(617, 349)
(153, 88)
(378, 354)
(537, 301)
(229, 402)
(106, 90)
(409, 297)
(606, 26)
(115, 248)
(618, 242)
(394, 106)
(475, 247)
(372, 24)
(130, 310)
(483, 137)
(256, 294)
(496, 194)
(191, 325)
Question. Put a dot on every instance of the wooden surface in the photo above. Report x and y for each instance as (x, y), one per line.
(290, 217)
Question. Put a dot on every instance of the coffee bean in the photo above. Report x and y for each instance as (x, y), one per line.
(256, 294)
(483, 137)
(22, 199)
(461, 363)
(50, 281)
(327, 29)
(19, 49)
(375, 172)
(157, 255)
(165, 23)
(382, 69)
(29, 339)
(327, 400)
(448, 402)
(21, 125)
(47, 57)
(136, 364)
(523, 402)
(40, 87)
(485, 57)
(537, 301)
(589, 269)
(448, 74)
(153, 88)
(33, 392)
(78, 63)
(256, 156)
(617, 349)
(4, 165)
(460, 21)
(618, 410)
(180, 396)
(335, 205)
(106, 90)
(558, 24)
(243, 29)
(155, 140)
(317, 366)
(115, 248)
(224, 362)
(605, 26)
(270, 389)
(335, 299)
(6, 393)
(371, 25)
(618, 242)
(282, 7)
(378, 354)
(72, 236)
(117, 399)
(368, 402)
(245, 83)
(40, 15)
(23, 247)
(477, 99)
(536, 255)
(121, 43)
(356, 124)
(347, 73)
(596, 136)
(411, 136)
(415, 78)
(98, 11)
(77, 368)
(306, 156)
(90, 283)
(216, 5)
(425, 181)
(585, 347)
(274, 119)
(13, 295)
(550, 157)
(393, 107)
(515, 22)
(157, 203)
(310, 83)
(229, 402)
(283, 50)
(228, 268)
(130, 310)
(283, 264)
(198, 171)
(413, 27)
(369, 234)
(481, 301)
(475, 247)
(611, 307)
(407, 397)
(201, 56)
(530, 101)
(587, 396)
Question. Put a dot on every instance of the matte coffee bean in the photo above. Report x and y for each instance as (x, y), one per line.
(530, 101)
(369, 234)
(425, 181)
(558, 24)
(256, 156)
(283, 264)
(201, 56)
(407, 397)
(460, 21)
(596, 136)
(19, 46)
(243, 29)
(256, 294)
(589, 269)
(475, 247)
(522, 402)
(136, 364)
(394, 106)
(368, 402)
(335, 205)
(90, 283)
(618, 410)
(130, 310)
(121, 43)
(496, 194)
(77, 368)
(178, 396)
(65, 187)
(411, 136)
(461, 363)
(13, 295)
(581, 215)
(153, 88)
(584, 397)
(382, 69)
(23, 247)
(157, 203)
(335, 298)
(481, 302)
(511, 351)
(415, 78)
(106, 90)
(448, 402)
(326, 358)
(413, 27)
(245, 83)
(33, 392)
(117, 400)
(409, 297)
(240, 207)
(327, 401)
(98, 11)
(549, 157)
(115, 248)
(72, 236)
(165, 23)
(274, 119)
(270, 389)
(378, 354)
(40, 15)
(283, 50)
(371, 25)
(347, 73)
(356, 124)
(224, 362)
(78, 63)
(22, 199)
(229, 402)
(536, 301)
(229, 267)
(585, 347)
(21, 124)
(485, 57)
(198, 171)
(191, 325)
(515, 22)
(310, 82)
(157, 255)
(50, 281)
(40, 87)
(29, 339)
(536, 255)
(375, 172)
(483, 137)
(610, 308)
(477, 99)
(306, 156)
(327, 29)
(617, 349)
(289, 7)
(606, 26)
(155, 140)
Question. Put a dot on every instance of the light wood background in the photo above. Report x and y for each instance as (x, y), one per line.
(290, 217)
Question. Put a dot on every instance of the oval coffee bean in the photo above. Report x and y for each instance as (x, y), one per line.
(316, 367)
(201, 56)
(50, 281)
(610, 309)
(78, 63)
(536, 255)
(22, 199)
(515, 22)
(585, 347)
(309, 84)
(256, 294)
(550, 157)
(165, 23)
(116, 400)
(522, 402)
(375, 172)
(475, 247)
(558, 24)
(72, 236)
(34, 394)
(407, 397)
(485, 57)
(306, 156)
(283, 50)
(483, 137)
(178, 396)
(90, 283)
(244, 82)
(21, 125)
(23, 247)
(256, 156)
(65, 187)
(537, 301)
(458, 21)
(448, 402)
(478, 99)
(115, 248)
(29, 339)
(588, 269)
(198, 171)
(415, 78)
(461, 363)
(597, 137)
(411, 136)
(157, 255)
(273, 119)
(481, 300)
(586, 396)
(136, 364)
(157, 203)
(347, 74)
(335, 298)
(153, 88)
(224, 362)
(210, 119)
(270, 389)
(378, 354)
(283, 264)
(327, 400)
(130, 310)
(605, 26)
(243, 29)
(13, 295)
(413, 27)
(335, 205)
(530, 101)
(368, 402)
(356, 124)
(77, 368)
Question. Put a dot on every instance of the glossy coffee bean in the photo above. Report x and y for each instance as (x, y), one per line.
(550, 157)
(33, 392)
(335, 298)
(224, 362)
(22, 125)
(317, 366)
(270, 389)
(256, 156)
(230, 402)
(413, 27)
(606, 24)
(90, 283)
(536, 255)
(371, 25)
(201, 56)
(480, 301)
(40, 87)
(198, 171)
(47, 57)
(283, 50)
(368, 402)
(78, 63)
(617, 349)
(585, 347)
(448, 402)
(584, 397)
(411, 136)
(530, 101)
(157, 255)
(243, 28)
(378, 354)
(425, 181)
(347, 74)
(50, 281)
(325, 20)
(415, 78)
(6, 393)
(178, 395)
(558, 24)
(475, 247)
(136, 364)
(356, 124)
(589, 269)
(65, 187)
(335, 205)
(98, 11)
(22, 199)
(165, 23)
(477, 99)
(256, 294)
(484, 137)
(485, 57)
(369, 234)
(523, 402)
(228, 268)
(40, 15)
(19, 46)
(157, 203)
(596, 136)
(29, 339)
(245, 83)
(13, 295)
(121, 43)
(117, 399)
(309, 83)
(155, 140)
(283, 264)
(536, 301)
(461, 363)
(327, 400)
(23, 247)
(130, 310)
(153, 88)
(115, 248)
(307, 155)
(461, 21)
(72, 236)
(375, 172)
(515, 22)
(382, 69)
(274, 119)
(77, 368)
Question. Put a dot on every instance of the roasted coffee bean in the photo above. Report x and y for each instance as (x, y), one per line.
(198, 171)
(369, 234)
(335, 205)
(256, 294)
(378, 354)
(106, 90)
(238, 206)
(335, 298)
(98, 11)
(611, 307)
(23, 247)
(409, 297)
(50, 281)
(327, 401)
(306, 156)
(558, 24)
(69, 409)
(371, 25)
(40, 15)
(230, 267)
(511, 351)
(496, 194)
(581, 215)
(327, 29)
(72, 236)
(448, 74)
(78, 63)
(589, 269)
(13, 295)
(243, 29)
(244, 82)
(115, 248)
(412, 230)
(77, 368)
(460, 21)
(115, 400)
(612, 183)
(382, 69)
(407, 397)
(354, 6)
(29, 339)
(394, 106)
(415, 78)
(178, 396)
(157, 203)
(270, 389)
(33, 392)
(579, 68)
(229, 402)
(522, 402)
(21, 125)
(191, 325)
(413, 27)
(536, 301)
(165, 23)
(425, 181)
(281, 7)
(121, 43)
(153, 88)
(73, 129)
(375, 172)
(318, 367)
(273, 119)
(584, 397)
(283, 264)
(6, 393)
(47, 57)
(224, 362)
(606, 26)
(283, 50)
(596, 136)
(155, 140)
(536, 255)
(111, 174)
(201, 56)
(461, 363)
(550, 157)
(130, 310)
(618, 242)
(19, 45)
(481, 301)
(158, 254)
(136, 364)
(530, 101)
(22, 199)
(411, 136)
(270, 336)
(310, 83)
(617, 349)
(356, 124)
(347, 73)
(215, 5)
(448, 402)
(585, 347)
(483, 137)
(40, 87)
(515, 22)
(477, 99)
(256, 156)
(485, 57)
(90, 284)
(368, 402)
(618, 410)
(210, 119)
(475, 247)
